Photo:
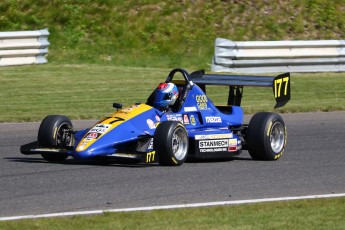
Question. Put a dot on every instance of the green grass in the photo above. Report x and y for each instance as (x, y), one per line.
(155, 33)
(304, 214)
(79, 91)
(84, 91)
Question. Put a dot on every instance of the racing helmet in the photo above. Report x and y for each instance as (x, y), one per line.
(165, 95)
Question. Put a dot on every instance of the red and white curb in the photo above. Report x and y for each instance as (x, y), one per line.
(177, 206)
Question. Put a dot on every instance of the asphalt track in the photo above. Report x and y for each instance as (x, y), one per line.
(313, 163)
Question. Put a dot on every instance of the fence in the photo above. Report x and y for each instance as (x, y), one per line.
(23, 47)
(279, 56)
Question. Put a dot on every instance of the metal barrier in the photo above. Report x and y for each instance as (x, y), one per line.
(23, 47)
(279, 56)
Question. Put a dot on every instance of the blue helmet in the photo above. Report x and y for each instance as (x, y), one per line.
(165, 95)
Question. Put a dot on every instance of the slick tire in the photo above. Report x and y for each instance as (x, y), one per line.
(266, 136)
(171, 143)
(50, 135)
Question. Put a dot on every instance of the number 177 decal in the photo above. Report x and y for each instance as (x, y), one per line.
(278, 86)
(281, 89)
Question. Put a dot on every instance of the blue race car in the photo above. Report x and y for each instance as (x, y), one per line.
(167, 133)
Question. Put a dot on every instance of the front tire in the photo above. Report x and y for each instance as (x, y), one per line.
(171, 143)
(53, 133)
(266, 136)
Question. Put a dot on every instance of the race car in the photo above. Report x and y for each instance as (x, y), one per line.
(193, 127)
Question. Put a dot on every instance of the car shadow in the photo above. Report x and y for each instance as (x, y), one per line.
(236, 158)
(71, 161)
(125, 164)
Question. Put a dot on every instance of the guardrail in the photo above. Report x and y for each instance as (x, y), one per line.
(23, 47)
(279, 56)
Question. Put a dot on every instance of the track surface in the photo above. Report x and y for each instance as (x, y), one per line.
(313, 163)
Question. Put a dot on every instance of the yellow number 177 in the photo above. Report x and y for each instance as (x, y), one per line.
(278, 85)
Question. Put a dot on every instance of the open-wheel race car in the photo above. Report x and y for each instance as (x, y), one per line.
(191, 127)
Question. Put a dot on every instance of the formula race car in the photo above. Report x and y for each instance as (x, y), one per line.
(193, 127)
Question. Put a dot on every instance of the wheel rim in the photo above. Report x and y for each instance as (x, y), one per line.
(64, 138)
(179, 144)
(277, 137)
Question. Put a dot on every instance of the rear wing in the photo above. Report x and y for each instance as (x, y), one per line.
(280, 85)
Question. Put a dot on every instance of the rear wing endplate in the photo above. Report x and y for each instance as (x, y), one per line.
(280, 84)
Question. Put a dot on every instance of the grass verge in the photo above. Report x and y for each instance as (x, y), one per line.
(304, 214)
(167, 33)
(29, 93)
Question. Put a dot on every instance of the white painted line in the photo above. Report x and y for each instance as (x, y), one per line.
(194, 205)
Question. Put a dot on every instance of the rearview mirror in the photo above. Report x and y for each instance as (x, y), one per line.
(117, 105)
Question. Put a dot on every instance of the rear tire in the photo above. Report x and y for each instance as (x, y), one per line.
(171, 143)
(266, 136)
(51, 134)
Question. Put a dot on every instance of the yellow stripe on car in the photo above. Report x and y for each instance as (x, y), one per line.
(109, 123)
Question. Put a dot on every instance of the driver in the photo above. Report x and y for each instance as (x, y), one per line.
(165, 95)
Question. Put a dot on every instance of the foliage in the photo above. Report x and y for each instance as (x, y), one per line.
(167, 33)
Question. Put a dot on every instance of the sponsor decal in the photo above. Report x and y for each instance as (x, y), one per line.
(150, 156)
(201, 102)
(125, 155)
(100, 128)
(214, 143)
(213, 119)
(185, 119)
(82, 145)
(158, 118)
(213, 150)
(213, 136)
(91, 136)
(219, 145)
(233, 141)
(150, 123)
(232, 145)
(232, 149)
(190, 109)
(175, 117)
(150, 144)
(192, 119)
